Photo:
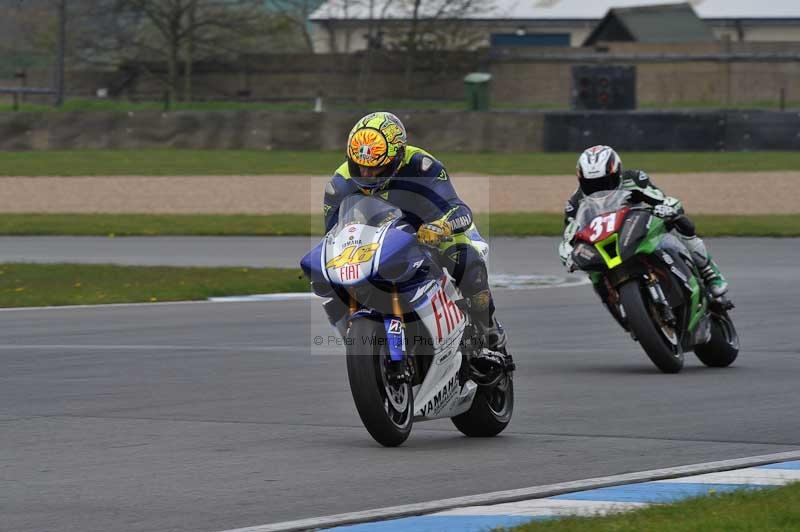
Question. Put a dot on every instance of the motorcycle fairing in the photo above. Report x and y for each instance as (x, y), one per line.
(349, 256)
(675, 258)
(441, 394)
(635, 229)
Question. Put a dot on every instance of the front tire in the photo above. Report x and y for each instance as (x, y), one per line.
(386, 410)
(490, 412)
(662, 346)
(723, 347)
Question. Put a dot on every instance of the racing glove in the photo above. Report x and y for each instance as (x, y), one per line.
(434, 233)
(565, 247)
(570, 264)
(665, 211)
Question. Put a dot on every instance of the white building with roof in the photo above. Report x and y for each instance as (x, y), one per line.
(344, 25)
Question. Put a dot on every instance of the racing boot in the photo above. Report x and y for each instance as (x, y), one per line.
(494, 336)
(493, 361)
(482, 309)
(709, 271)
(715, 282)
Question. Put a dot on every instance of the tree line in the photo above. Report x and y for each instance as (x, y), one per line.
(168, 38)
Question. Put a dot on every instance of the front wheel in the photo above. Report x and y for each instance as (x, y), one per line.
(658, 339)
(386, 409)
(490, 412)
(723, 347)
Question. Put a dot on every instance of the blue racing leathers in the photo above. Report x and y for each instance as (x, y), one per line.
(423, 191)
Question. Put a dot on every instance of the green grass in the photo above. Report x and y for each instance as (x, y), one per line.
(497, 224)
(299, 105)
(459, 104)
(26, 285)
(117, 106)
(768, 510)
(759, 104)
(262, 162)
(159, 224)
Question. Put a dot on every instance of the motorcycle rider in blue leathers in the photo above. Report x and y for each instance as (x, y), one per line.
(381, 163)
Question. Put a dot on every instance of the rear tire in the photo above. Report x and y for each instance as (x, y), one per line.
(490, 412)
(667, 356)
(387, 411)
(723, 347)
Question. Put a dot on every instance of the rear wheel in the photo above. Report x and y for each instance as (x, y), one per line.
(490, 412)
(723, 347)
(659, 340)
(385, 408)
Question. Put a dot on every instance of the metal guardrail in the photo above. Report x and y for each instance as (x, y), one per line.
(18, 92)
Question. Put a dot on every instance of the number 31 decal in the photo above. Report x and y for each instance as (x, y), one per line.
(597, 225)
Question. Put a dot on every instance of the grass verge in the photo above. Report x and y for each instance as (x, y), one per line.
(278, 162)
(36, 224)
(307, 104)
(768, 510)
(30, 285)
(497, 224)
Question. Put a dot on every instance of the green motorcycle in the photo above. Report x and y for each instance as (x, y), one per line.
(650, 284)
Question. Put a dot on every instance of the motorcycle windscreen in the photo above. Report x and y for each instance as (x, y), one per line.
(364, 210)
(598, 204)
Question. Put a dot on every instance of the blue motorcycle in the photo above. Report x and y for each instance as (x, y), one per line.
(412, 352)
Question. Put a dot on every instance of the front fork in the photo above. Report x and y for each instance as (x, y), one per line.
(654, 290)
(658, 297)
(396, 329)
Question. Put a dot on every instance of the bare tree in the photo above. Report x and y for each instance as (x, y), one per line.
(435, 25)
(376, 11)
(414, 30)
(297, 12)
(182, 31)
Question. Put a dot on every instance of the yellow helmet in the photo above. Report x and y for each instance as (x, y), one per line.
(377, 142)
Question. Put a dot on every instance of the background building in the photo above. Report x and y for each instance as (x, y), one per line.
(349, 25)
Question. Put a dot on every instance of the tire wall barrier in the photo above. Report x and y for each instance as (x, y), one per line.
(497, 131)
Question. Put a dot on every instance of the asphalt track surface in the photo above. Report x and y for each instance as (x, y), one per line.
(212, 416)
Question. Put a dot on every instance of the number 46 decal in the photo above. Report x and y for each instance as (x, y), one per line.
(353, 255)
(603, 224)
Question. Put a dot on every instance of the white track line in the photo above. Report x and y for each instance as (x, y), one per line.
(260, 298)
(535, 492)
(158, 304)
(286, 296)
(91, 347)
(106, 305)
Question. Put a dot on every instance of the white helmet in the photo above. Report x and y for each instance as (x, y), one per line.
(599, 168)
